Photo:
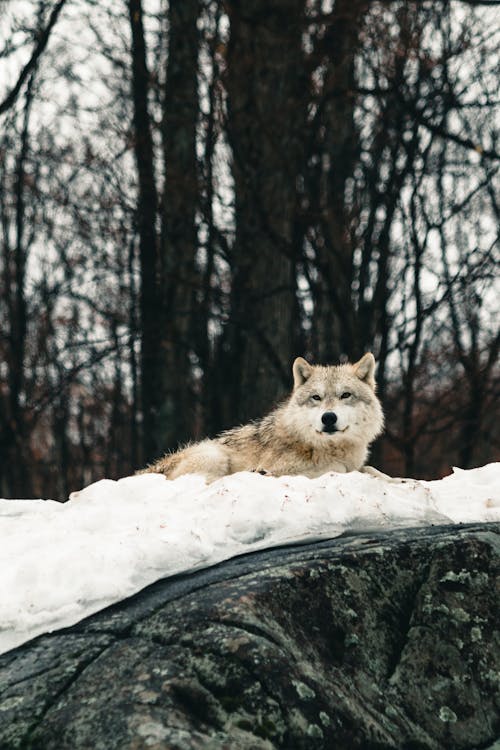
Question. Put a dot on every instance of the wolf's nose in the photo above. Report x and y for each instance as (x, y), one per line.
(329, 418)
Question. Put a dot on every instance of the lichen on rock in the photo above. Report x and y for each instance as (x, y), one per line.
(372, 641)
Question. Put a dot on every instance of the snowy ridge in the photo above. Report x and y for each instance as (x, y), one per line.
(63, 562)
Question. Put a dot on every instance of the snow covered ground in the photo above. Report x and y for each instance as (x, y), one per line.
(62, 562)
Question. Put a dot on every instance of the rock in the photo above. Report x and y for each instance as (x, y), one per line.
(388, 640)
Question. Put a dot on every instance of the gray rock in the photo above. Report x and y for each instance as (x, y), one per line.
(372, 641)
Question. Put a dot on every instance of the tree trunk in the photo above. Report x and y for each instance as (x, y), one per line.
(14, 442)
(180, 277)
(334, 328)
(147, 204)
(266, 119)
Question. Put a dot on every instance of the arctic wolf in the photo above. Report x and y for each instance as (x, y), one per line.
(326, 424)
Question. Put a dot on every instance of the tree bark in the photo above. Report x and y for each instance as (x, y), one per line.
(334, 325)
(266, 119)
(180, 276)
(14, 443)
(147, 211)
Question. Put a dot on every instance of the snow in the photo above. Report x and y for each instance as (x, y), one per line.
(61, 562)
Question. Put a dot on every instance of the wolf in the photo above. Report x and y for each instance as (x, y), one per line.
(326, 424)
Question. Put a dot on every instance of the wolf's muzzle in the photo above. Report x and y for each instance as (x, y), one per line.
(329, 419)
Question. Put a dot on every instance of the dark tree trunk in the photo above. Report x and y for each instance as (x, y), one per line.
(266, 119)
(147, 211)
(334, 326)
(134, 452)
(14, 441)
(60, 424)
(180, 276)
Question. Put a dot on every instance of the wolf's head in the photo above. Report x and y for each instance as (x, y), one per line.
(335, 403)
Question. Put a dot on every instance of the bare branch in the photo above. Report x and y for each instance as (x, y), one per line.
(43, 38)
(460, 140)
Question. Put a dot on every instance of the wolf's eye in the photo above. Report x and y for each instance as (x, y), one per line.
(346, 394)
(316, 397)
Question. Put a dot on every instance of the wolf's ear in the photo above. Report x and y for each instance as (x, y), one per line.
(302, 371)
(365, 369)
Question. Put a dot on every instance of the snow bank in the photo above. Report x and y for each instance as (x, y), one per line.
(63, 562)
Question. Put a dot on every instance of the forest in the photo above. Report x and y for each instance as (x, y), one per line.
(195, 192)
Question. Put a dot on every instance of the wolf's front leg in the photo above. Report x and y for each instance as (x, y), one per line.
(380, 475)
